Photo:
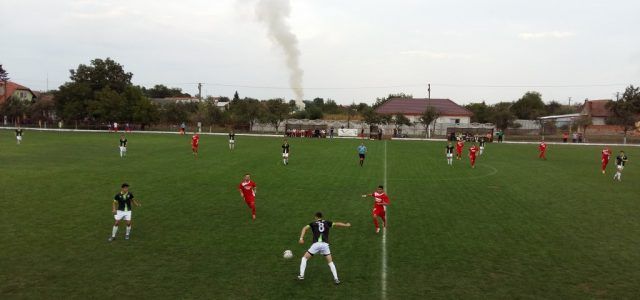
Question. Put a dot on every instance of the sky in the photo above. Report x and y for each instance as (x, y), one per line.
(350, 51)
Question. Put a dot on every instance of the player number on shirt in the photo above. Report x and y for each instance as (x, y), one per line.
(321, 227)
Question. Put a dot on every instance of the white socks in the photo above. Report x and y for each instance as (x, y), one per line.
(128, 230)
(333, 270)
(617, 176)
(303, 266)
(114, 231)
(449, 161)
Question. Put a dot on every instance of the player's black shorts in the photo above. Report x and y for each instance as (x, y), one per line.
(361, 155)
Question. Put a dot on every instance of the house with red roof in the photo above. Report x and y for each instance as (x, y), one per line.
(413, 108)
(13, 89)
(597, 110)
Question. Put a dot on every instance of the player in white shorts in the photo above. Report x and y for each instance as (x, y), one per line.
(285, 152)
(19, 135)
(232, 140)
(320, 229)
(123, 146)
(621, 160)
(449, 154)
(121, 209)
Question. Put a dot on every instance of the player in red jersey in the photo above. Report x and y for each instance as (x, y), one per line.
(459, 147)
(248, 192)
(606, 154)
(473, 151)
(379, 207)
(195, 142)
(543, 150)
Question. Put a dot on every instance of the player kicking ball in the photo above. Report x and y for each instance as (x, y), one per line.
(123, 146)
(621, 160)
(449, 153)
(320, 229)
(121, 209)
(379, 207)
(248, 192)
(473, 152)
(195, 143)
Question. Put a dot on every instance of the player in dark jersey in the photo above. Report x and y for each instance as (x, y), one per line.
(482, 143)
(449, 153)
(232, 140)
(320, 229)
(621, 160)
(285, 152)
(19, 135)
(121, 209)
(123, 146)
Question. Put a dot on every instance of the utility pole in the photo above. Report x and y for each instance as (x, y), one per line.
(569, 101)
(199, 91)
(429, 91)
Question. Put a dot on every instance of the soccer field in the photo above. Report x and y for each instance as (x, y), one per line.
(514, 227)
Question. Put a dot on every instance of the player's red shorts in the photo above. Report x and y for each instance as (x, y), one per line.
(380, 212)
(194, 148)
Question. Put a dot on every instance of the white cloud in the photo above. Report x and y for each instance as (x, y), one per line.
(435, 54)
(545, 35)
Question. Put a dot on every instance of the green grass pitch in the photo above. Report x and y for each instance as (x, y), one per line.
(514, 227)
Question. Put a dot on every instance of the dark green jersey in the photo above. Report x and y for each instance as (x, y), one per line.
(18, 132)
(232, 136)
(123, 200)
(123, 142)
(285, 148)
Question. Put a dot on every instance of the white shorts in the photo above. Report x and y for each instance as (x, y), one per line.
(285, 155)
(123, 149)
(232, 141)
(449, 155)
(319, 247)
(19, 138)
(122, 215)
(482, 148)
(620, 167)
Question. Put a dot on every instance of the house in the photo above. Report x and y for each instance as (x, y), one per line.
(413, 108)
(13, 89)
(597, 110)
(167, 100)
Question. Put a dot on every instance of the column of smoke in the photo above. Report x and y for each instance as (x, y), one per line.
(274, 14)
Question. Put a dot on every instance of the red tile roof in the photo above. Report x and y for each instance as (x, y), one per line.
(11, 88)
(415, 106)
(597, 108)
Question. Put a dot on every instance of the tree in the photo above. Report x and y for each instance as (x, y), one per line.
(480, 112)
(502, 116)
(246, 111)
(584, 122)
(429, 116)
(4, 77)
(14, 109)
(276, 112)
(101, 74)
(237, 97)
(41, 109)
(369, 116)
(162, 91)
(626, 110)
(529, 107)
(330, 107)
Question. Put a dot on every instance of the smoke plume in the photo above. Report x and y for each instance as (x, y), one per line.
(275, 14)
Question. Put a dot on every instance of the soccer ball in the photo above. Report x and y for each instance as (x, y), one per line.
(287, 254)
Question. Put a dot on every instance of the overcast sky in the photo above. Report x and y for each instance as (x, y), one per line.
(353, 50)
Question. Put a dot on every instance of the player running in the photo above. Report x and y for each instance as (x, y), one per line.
(232, 140)
(19, 135)
(248, 192)
(542, 148)
(320, 229)
(123, 146)
(621, 160)
(195, 143)
(482, 143)
(606, 154)
(379, 207)
(449, 154)
(473, 151)
(459, 147)
(362, 151)
(285, 152)
(121, 209)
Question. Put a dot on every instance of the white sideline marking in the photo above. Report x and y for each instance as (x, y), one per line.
(527, 142)
(383, 276)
